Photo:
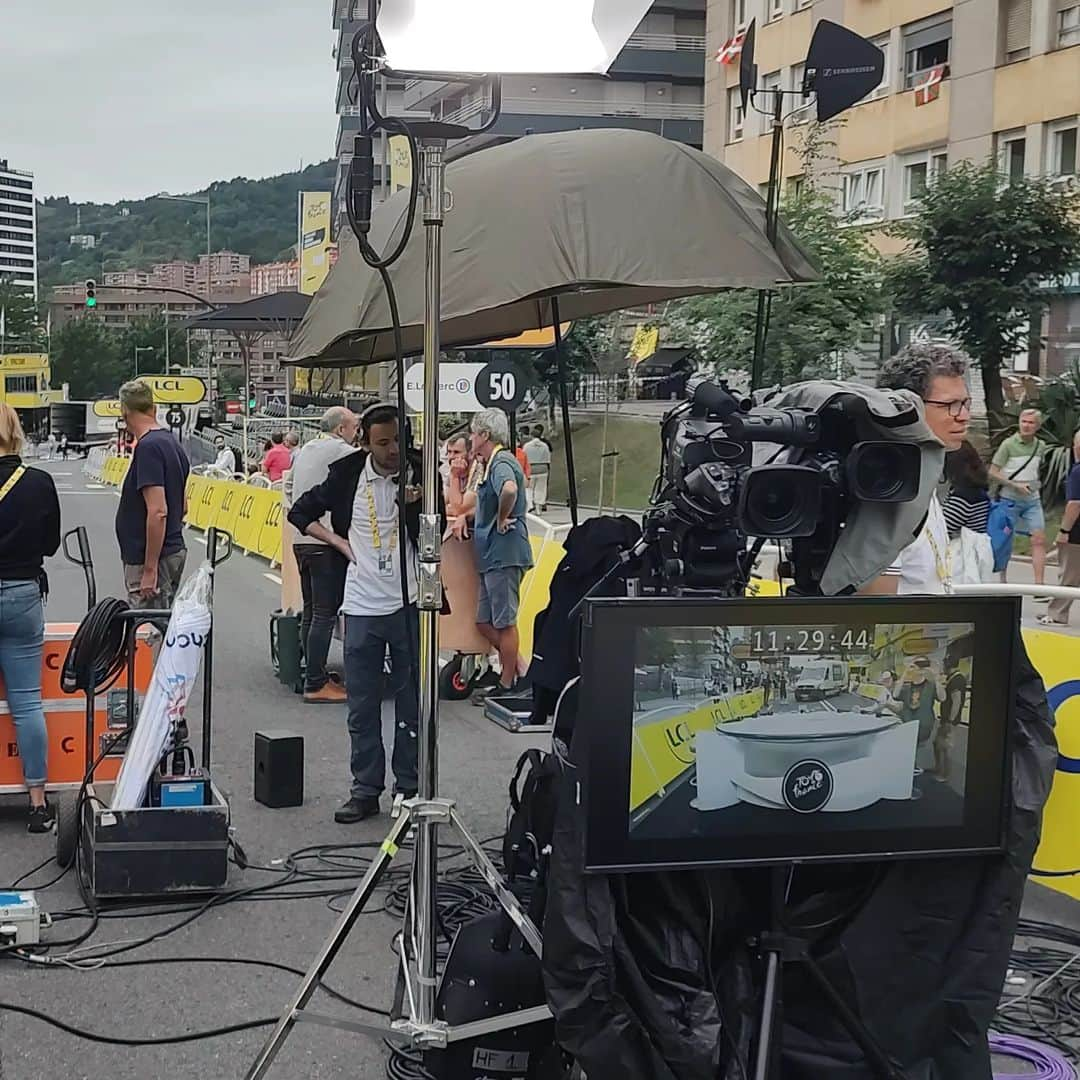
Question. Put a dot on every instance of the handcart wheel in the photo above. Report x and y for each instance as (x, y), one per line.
(67, 832)
(455, 684)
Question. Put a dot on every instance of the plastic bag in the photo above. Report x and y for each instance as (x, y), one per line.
(174, 678)
(971, 556)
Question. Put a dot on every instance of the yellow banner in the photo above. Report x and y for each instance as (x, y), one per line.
(24, 360)
(400, 162)
(106, 408)
(314, 240)
(646, 340)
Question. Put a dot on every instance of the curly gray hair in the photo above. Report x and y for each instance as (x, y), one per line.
(916, 366)
(494, 424)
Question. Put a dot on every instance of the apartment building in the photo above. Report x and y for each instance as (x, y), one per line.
(275, 277)
(18, 229)
(655, 84)
(1010, 87)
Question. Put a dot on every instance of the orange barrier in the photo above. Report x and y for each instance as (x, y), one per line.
(65, 718)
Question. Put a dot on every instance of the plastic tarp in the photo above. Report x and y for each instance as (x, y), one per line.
(650, 975)
(174, 678)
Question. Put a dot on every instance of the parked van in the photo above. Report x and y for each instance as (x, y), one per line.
(821, 679)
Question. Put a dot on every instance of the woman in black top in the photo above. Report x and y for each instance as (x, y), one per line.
(29, 531)
(968, 504)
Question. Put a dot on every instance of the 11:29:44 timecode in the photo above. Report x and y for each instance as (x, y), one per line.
(810, 639)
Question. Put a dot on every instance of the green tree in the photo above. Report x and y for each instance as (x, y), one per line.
(978, 249)
(88, 357)
(585, 343)
(809, 324)
(149, 334)
(21, 328)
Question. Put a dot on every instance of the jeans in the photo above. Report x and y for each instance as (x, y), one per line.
(322, 582)
(366, 639)
(22, 637)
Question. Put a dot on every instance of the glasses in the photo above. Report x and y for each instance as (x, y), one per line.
(956, 408)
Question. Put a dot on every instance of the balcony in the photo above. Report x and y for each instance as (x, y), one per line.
(573, 106)
(668, 42)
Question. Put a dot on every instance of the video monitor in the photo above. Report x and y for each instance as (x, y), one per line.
(734, 732)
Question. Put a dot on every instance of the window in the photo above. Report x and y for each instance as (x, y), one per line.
(1068, 23)
(771, 85)
(738, 14)
(919, 171)
(1017, 16)
(20, 384)
(884, 43)
(795, 186)
(774, 9)
(926, 46)
(1063, 148)
(736, 115)
(864, 192)
(800, 5)
(1012, 155)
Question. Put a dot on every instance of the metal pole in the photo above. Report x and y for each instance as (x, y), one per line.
(167, 337)
(425, 864)
(568, 440)
(772, 213)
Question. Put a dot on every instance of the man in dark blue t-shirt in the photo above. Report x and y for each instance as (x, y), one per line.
(150, 518)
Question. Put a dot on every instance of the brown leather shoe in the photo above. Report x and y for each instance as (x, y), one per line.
(330, 694)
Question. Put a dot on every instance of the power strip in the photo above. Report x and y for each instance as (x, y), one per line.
(20, 919)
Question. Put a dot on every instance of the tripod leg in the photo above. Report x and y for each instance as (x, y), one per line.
(768, 1018)
(875, 1055)
(329, 950)
(507, 900)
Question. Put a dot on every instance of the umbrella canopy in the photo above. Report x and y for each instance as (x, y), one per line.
(602, 220)
(275, 312)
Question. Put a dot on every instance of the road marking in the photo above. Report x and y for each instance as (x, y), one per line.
(273, 577)
(200, 539)
(94, 487)
(829, 705)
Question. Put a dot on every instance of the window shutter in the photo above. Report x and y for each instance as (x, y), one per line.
(1017, 26)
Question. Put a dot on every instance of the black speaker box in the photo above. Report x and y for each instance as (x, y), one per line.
(279, 768)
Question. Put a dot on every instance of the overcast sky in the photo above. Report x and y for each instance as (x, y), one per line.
(112, 99)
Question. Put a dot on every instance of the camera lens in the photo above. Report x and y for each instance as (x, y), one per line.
(781, 501)
(884, 472)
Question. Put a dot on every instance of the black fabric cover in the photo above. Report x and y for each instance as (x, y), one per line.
(650, 976)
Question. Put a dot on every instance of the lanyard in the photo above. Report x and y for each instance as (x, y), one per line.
(12, 480)
(373, 517)
(941, 566)
(491, 460)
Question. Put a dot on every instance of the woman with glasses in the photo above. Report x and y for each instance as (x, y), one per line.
(29, 531)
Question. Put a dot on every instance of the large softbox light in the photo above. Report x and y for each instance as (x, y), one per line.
(507, 36)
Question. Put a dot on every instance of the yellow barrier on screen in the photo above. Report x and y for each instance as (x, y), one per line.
(664, 749)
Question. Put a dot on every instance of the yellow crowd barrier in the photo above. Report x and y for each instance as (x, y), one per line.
(250, 515)
(114, 470)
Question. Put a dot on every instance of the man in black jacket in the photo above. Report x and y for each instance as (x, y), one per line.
(360, 494)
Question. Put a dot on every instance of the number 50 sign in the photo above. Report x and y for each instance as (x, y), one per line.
(466, 388)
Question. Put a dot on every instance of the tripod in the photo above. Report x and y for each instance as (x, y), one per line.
(780, 947)
(421, 1029)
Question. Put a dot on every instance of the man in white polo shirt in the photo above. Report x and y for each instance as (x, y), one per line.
(360, 494)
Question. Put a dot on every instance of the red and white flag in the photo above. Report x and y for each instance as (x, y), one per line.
(930, 88)
(732, 49)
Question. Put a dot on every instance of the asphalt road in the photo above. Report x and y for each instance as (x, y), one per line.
(154, 1000)
(476, 758)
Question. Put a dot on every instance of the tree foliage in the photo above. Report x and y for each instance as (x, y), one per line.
(978, 250)
(809, 324)
(21, 328)
(254, 217)
(583, 348)
(94, 360)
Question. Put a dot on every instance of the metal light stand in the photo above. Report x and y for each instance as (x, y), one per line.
(421, 1028)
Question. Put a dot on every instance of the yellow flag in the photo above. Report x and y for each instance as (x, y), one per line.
(314, 240)
(400, 162)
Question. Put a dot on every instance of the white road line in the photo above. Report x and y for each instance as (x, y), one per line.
(94, 487)
(200, 540)
(273, 577)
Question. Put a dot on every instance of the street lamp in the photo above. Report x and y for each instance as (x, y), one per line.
(198, 200)
(139, 349)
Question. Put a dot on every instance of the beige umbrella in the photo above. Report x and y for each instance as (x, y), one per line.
(582, 222)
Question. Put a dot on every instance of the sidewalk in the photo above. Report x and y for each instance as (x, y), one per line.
(1020, 573)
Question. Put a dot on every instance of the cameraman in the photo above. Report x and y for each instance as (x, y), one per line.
(936, 373)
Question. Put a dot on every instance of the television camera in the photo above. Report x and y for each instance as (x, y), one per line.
(731, 471)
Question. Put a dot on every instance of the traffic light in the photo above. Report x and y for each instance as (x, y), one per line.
(91, 293)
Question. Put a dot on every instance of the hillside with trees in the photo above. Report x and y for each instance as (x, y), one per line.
(254, 217)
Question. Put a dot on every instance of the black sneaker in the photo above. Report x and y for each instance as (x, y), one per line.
(41, 819)
(356, 810)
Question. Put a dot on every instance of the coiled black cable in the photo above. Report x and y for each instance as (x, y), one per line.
(97, 655)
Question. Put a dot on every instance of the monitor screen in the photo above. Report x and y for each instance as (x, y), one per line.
(729, 732)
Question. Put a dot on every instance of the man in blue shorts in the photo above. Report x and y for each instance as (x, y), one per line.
(503, 553)
(1016, 467)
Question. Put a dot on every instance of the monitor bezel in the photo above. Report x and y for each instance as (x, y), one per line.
(602, 747)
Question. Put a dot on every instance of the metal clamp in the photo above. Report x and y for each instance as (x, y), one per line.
(430, 538)
(422, 1035)
(430, 809)
(431, 594)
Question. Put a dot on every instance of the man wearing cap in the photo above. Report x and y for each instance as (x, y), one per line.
(914, 698)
